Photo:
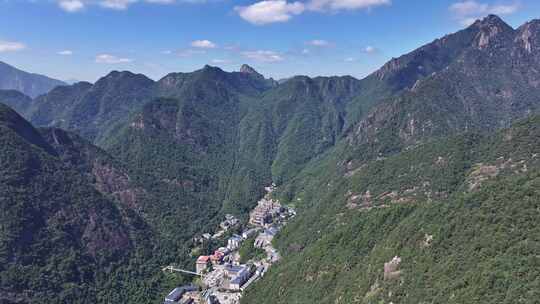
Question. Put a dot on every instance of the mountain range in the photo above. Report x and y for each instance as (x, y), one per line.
(29, 84)
(432, 158)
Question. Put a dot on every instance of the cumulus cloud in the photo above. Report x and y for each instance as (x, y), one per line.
(466, 12)
(111, 59)
(203, 44)
(272, 11)
(65, 53)
(263, 56)
(11, 46)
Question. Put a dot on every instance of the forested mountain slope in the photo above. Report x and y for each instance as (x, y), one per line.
(92, 109)
(16, 100)
(460, 212)
(57, 229)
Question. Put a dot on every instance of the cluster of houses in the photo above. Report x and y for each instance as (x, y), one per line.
(266, 210)
(221, 270)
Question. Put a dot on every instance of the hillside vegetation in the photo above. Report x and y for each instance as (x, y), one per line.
(423, 159)
(461, 214)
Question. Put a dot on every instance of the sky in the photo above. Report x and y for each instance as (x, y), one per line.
(86, 39)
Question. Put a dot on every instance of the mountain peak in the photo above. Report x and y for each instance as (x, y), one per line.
(246, 69)
(492, 31)
(492, 21)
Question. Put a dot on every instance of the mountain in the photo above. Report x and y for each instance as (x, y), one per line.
(79, 225)
(92, 109)
(422, 176)
(29, 84)
(411, 161)
(57, 230)
(490, 84)
(15, 100)
(459, 213)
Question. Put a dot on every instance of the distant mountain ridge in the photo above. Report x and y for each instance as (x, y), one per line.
(29, 84)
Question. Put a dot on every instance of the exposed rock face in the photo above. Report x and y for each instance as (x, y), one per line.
(111, 180)
(391, 269)
(107, 176)
(492, 32)
(249, 70)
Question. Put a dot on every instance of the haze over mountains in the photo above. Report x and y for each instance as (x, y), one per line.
(440, 143)
(29, 84)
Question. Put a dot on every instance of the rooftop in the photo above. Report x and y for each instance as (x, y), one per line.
(178, 292)
(203, 259)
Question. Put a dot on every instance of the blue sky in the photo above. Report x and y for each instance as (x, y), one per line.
(86, 39)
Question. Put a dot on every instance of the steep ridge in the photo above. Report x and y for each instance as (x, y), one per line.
(57, 230)
(29, 84)
(493, 83)
(16, 100)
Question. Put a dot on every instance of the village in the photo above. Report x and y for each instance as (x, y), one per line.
(222, 274)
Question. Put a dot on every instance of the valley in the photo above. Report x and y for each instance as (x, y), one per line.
(416, 184)
(224, 275)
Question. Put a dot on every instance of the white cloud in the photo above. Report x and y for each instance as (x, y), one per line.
(111, 59)
(11, 46)
(371, 49)
(116, 4)
(466, 12)
(78, 5)
(71, 5)
(349, 59)
(335, 5)
(65, 53)
(203, 44)
(270, 11)
(318, 43)
(166, 52)
(263, 56)
(161, 1)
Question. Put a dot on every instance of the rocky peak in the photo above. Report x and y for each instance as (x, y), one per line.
(491, 31)
(528, 36)
(246, 69)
